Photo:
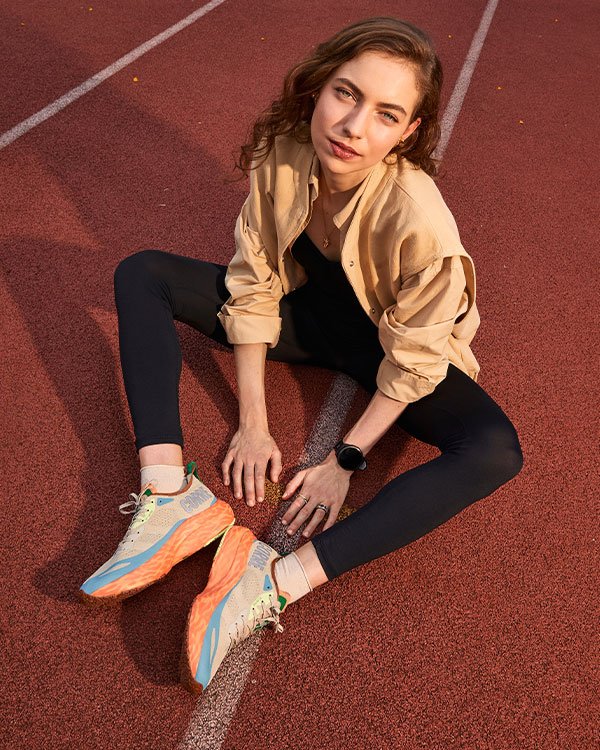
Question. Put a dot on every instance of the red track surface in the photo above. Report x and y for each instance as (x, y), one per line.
(479, 635)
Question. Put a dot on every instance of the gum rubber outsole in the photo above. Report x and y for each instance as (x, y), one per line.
(227, 520)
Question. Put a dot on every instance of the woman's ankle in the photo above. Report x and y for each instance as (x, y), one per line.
(299, 573)
(308, 558)
(163, 477)
(169, 454)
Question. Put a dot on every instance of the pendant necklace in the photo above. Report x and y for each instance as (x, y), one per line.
(326, 241)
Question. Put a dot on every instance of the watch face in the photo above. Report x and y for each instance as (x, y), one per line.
(350, 458)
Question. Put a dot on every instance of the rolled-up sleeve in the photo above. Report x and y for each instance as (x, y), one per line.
(414, 331)
(251, 314)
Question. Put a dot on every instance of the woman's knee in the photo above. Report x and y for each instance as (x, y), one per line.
(141, 265)
(497, 452)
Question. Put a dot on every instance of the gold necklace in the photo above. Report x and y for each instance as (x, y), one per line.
(326, 241)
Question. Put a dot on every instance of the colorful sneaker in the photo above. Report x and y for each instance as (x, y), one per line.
(241, 597)
(165, 529)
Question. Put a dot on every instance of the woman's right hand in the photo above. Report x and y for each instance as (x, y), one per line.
(250, 451)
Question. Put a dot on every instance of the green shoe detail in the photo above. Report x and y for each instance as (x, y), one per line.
(192, 467)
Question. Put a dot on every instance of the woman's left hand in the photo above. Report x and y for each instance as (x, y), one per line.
(325, 483)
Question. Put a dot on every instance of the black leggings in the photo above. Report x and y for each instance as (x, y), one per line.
(479, 446)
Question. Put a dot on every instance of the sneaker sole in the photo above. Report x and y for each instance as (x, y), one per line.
(233, 559)
(190, 537)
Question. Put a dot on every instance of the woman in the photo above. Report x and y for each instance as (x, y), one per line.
(347, 258)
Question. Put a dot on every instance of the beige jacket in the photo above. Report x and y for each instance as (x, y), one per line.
(401, 252)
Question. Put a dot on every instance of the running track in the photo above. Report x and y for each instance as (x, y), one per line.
(479, 635)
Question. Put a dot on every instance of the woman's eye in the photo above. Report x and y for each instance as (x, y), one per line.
(387, 114)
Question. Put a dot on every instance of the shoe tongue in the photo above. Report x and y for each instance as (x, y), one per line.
(148, 489)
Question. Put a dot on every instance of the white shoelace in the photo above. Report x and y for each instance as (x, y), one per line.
(136, 505)
(136, 501)
(248, 625)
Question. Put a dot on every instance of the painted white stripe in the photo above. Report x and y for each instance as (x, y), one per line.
(216, 708)
(31, 122)
(464, 79)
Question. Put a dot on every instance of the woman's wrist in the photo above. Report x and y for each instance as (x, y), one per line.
(380, 414)
(331, 460)
(254, 418)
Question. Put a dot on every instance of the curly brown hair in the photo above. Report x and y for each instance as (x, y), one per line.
(290, 114)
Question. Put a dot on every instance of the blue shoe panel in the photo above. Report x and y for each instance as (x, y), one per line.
(206, 657)
(125, 566)
(164, 500)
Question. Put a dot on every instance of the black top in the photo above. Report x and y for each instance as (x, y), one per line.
(330, 294)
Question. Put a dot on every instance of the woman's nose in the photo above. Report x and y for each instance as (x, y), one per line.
(356, 122)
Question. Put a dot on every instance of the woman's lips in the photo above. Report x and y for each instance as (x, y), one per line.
(342, 152)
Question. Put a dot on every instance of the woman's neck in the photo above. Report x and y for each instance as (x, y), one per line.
(337, 190)
(336, 198)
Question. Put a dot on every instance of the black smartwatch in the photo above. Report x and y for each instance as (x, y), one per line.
(349, 456)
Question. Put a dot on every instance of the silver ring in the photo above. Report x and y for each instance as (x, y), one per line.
(321, 506)
(304, 496)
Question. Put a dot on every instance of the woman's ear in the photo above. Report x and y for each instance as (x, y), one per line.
(411, 129)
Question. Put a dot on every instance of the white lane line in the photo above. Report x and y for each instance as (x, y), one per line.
(464, 79)
(31, 122)
(216, 707)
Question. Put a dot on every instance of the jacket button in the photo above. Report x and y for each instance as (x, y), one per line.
(351, 262)
(372, 309)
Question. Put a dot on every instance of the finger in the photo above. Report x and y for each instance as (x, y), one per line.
(301, 517)
(297, 505)
(259, 481)
(275, 464)
(292, 512)
(249, 482)
(293, 484)
(318, 515)
(237, 479)
(225, 467)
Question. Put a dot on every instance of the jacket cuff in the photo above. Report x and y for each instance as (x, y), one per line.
(402, 385)
(251, 329)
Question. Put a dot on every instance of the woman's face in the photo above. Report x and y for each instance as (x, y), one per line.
(351, 112)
